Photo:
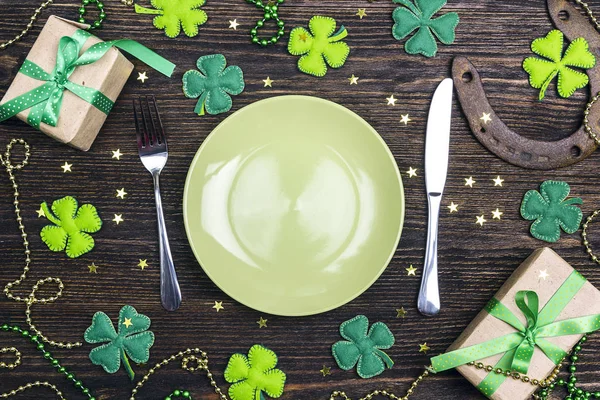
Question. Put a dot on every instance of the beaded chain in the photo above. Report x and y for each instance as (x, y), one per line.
(584, 236)
(385, 393)
(37, 342)
(270, 13)
(101, 14)
(32, 19)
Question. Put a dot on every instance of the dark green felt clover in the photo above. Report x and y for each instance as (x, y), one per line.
(133, 339)
(551, 211)
(71, 227)
(363, 347)
(417, 15)
(213, 84)
(255, 374)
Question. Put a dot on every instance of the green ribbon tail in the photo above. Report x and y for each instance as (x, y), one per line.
(128, 368)
(146, 55)
(200, 105)
(386, 359)
(143, 10)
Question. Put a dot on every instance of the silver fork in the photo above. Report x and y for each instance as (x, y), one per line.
(152, 146)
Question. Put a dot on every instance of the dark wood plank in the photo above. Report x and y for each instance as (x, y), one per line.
(474, 260)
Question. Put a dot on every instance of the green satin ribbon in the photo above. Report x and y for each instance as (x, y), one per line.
(518, 347)
(45, 101)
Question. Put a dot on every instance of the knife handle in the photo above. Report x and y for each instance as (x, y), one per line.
(429, 295)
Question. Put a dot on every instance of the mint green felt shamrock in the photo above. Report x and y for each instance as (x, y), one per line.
(542, 71)
(418, 14)
(319, 46)
(363, 347)
(71, 226)
(213, 84)
(174, 14)
(133, 340)
(551, 211)
(255, 374)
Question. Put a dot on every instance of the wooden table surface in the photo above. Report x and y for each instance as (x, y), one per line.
(474, 260)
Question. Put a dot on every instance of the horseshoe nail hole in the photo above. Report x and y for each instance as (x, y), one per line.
(526, 156)
(564, 15)
(483, 130)
(467, 77)
(495, 141)
(575, 151)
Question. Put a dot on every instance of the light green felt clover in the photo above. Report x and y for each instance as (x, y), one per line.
(213, 84)
(418, 14)
(551, 211)
(71, 226)
(133, 339)
(255, 374)
(318, 46)
(363, 347)
(174, 14)
(542, 71)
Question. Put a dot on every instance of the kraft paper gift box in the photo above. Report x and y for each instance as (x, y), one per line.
(79, 121)
(565, 286)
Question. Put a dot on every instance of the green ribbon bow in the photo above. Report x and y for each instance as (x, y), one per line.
(45, 101)
(518, 347)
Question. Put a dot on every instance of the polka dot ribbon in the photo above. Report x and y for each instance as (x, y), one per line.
(45, 101)
(518, 347)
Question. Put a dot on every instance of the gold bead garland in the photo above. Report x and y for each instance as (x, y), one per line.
(17, 360)
(584, 236)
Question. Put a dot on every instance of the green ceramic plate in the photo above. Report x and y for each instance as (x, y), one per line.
(293, 205)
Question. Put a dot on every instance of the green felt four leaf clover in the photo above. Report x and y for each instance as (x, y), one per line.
(542, 71)
(363, 347)
(133, 339)
(175, 14)
(213, 84)
(318, 47)
(255, 374)
(71, 226)
(551, 211)
(418, 14)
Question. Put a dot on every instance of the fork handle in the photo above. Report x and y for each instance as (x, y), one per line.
(170, 294)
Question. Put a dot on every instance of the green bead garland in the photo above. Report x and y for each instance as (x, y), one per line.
(179, 393)
(270, 13)
(48, 356)
(573, 392)
(101, 14)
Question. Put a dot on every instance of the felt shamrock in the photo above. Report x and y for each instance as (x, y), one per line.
(255, 374)
(362, 347)
(551, 211)
(418, 14)
(133, 340)
(71, 226)
(318, 46)
(213, 84)
(542, 71)
(174, 14)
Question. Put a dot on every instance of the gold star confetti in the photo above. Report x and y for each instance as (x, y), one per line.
(67, 167)
(218, 306)
(118, 218)
(127, 322)
(405, 119)
(543, 274)
(411, 172)
(362, 12)
(498, 181)
(233, 24)
(453, 207)
(117, 154)
(143, 264)
(411, 271)
(40, 212)
(423, 348)
(486, 118)
(481, 220)
(469, 181)
(268, 82)
(121, 193)
(93, 268)
(142, 77)
(391, 101)
(262, 323)
(325, 370)
(400, 312)
(302, 36)
(353, 80)
(497, 214)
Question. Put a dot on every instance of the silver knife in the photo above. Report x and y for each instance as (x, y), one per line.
(437, 146)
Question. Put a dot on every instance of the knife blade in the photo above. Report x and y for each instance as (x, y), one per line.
(437, 147)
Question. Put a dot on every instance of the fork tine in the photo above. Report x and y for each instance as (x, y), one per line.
(147, 133)
(138, 128)
(155, 138)
(160, 130)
